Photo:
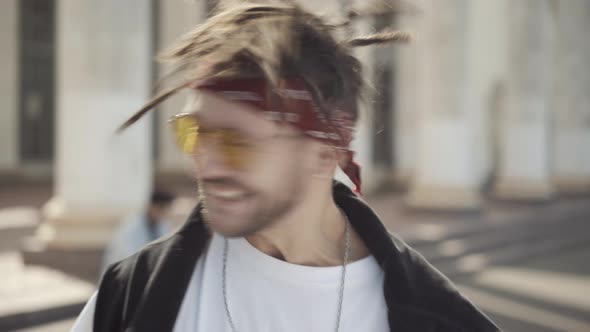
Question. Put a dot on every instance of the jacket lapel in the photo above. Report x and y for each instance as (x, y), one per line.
(167, 284)
(418, 297)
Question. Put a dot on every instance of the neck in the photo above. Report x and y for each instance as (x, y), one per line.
(312, 234)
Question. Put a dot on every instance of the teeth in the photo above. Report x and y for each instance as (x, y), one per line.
(229, 194)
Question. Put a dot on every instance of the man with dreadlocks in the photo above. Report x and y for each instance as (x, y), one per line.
(274, 243)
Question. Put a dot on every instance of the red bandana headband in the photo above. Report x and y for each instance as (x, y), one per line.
(292, 102)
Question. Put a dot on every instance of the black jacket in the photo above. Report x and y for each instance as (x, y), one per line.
(144, 291)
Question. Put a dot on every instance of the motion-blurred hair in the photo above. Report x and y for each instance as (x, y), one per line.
(274, 40)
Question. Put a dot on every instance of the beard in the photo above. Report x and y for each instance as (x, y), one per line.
(251, 211)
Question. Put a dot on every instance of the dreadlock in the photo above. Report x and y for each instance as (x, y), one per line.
(271, 41)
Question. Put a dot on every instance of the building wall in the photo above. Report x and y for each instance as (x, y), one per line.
(9, 83)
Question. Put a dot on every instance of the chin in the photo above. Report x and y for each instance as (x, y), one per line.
(229, 226)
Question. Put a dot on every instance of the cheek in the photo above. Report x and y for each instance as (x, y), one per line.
(277, 172)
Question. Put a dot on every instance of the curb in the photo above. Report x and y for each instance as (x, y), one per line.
(38, 317)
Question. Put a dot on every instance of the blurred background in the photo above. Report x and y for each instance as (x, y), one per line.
(475, 145)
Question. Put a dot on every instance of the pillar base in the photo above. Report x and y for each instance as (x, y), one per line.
(518, 189)
(72, 240)
(443, 198)
(65, 227)
(83, 263)
(572, 184)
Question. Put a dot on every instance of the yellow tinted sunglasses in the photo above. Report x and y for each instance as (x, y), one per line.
(235, 147)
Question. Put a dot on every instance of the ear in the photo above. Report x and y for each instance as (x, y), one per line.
(326, 161)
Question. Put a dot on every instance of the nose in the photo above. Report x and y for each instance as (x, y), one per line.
(229, 148)
(213, 161)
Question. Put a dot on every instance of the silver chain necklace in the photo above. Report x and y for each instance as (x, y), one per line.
(342, 278)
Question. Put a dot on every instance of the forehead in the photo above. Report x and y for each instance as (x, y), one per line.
(215, 111)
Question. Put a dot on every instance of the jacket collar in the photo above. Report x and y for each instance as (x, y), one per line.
(376, 237)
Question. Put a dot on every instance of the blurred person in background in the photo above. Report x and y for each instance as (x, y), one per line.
(139, 230)
(274, 244)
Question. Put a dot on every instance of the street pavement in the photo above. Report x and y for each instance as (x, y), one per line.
(525, 265)
(548, 293)
(59, 326)
(531, 274)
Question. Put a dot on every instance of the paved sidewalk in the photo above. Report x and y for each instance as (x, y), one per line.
(33, 295)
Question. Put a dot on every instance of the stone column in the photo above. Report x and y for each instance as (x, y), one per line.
(405, 101)
(363, 141)
(524, 166)
(488, 62)
(176, 17)
(9, 83)
(571, 132)
(445, 175)
(104, 75)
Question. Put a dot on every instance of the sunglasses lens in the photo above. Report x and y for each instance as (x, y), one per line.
(186, 130)
(233, 144)
(235, 150)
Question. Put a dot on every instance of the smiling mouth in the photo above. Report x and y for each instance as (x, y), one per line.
(227, 194)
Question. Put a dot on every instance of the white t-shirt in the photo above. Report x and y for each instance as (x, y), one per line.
(266, 294)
